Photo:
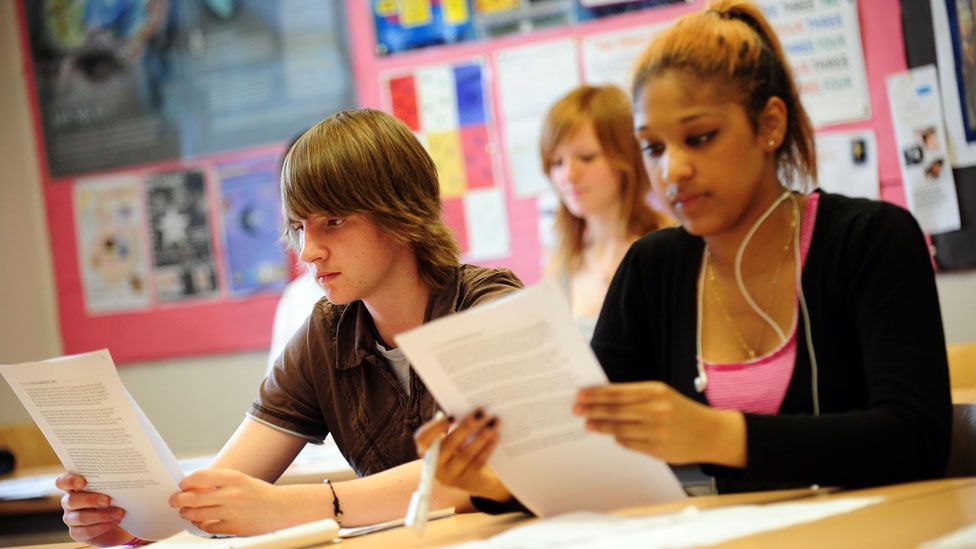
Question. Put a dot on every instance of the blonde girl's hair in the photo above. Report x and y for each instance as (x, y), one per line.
(609, 111)
(732, 44)
(368, 162)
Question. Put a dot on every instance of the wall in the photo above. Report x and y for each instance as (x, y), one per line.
(195, 403)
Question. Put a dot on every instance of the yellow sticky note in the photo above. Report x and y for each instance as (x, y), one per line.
(445, 149)
(455, 12)
(415, 12)
(384, 8)
(489, 6)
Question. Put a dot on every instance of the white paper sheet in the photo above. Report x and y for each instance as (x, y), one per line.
(523, 359)
(687, 528)
(609, 58)
(962, 153)
(97, 430)
(486, 222)
(916, 115)
(530, 79)
(963, 538)
(317, 533)
(823, 43)
(847, 163)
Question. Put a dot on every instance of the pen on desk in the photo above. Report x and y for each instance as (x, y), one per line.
(420, 501)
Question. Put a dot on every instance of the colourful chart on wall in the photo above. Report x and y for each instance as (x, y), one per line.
(445, 106)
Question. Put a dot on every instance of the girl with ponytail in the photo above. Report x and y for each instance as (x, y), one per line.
(782, 336)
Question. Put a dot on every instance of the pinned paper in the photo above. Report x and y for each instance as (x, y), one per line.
(525, 101)
(916, 114)
(110, 221)
(847, 163)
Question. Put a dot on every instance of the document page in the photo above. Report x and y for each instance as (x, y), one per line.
(523, 359)
(98, 431)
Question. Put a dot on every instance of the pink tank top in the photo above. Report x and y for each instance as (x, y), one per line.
(758, 386)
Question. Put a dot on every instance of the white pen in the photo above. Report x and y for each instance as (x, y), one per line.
(420, 501)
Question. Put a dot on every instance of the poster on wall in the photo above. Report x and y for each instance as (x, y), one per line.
(258, 72)
(110, 225)
(183, 258)
(823, 43)
(104, 81)
(609, 58)
(128, 82)
(524, 102)
(847, 163)
(916, 114)
(445, 106)
(955, 47)
(403, 25)
(255, 258)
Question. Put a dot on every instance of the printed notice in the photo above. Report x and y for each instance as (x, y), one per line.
(524, 102)
(823, 43)
(847, 163)
(111, 250)
(916, 114)
(99, 432)
(523, 359)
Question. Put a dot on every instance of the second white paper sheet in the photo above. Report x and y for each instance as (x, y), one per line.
(98, 430)
(523, 359)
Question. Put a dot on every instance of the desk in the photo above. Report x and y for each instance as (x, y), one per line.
(911, 513)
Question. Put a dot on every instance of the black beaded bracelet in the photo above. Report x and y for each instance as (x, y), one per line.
(336, 508)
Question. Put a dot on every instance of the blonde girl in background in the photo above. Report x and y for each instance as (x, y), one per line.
(589, 152)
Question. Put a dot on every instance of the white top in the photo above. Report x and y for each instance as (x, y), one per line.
(400, 364)
(295, 305)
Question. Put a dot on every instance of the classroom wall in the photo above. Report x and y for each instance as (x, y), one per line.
(195, 403)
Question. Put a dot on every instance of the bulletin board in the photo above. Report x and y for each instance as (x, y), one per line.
(580, 53)
(159, 127)
(489, 96)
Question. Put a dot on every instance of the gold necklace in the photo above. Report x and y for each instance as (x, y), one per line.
(749, 350)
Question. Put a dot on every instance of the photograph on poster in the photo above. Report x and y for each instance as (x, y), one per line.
(180, 228)
(128, 82)
(256, 260)
(109, 220)
(103, 72)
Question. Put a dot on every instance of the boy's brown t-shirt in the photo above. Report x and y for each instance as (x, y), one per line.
(331, 379)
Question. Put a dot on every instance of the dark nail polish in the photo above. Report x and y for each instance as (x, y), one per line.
(479, 413)
(492, 422)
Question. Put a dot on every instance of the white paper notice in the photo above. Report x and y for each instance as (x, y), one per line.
(486, 223)
(609, 58)
(530, 79)
(847, 163)
(109, 219)
(823, 43)
(522, 358)
(962, 151)
(98, 431)
(916, 114)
